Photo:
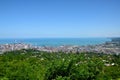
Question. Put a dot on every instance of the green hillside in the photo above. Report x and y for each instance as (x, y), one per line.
(36, 65)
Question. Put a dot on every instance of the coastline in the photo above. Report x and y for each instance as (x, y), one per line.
(110, 47)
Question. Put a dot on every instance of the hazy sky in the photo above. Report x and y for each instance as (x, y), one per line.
(59, 18)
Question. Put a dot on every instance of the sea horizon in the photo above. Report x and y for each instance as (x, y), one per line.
(56, 41)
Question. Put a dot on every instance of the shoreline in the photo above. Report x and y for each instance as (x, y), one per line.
(111, 47)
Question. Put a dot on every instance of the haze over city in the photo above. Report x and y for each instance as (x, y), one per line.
(59, 18)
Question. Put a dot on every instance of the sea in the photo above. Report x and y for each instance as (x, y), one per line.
(56, 41)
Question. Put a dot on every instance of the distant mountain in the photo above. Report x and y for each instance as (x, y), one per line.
(116, 39)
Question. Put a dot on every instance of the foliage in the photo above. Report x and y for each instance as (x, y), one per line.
(38, 65)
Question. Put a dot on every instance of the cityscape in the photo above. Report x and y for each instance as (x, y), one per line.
(59, 39)
(111, 47)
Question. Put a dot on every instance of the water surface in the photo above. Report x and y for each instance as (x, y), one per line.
(57, 41)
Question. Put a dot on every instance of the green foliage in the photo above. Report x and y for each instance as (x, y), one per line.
(36, 65)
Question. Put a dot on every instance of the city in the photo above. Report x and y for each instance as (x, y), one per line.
(112, 47)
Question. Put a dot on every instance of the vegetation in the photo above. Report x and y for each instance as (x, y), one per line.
(36, 65)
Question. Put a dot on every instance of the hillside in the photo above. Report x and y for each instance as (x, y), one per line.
(37, 65)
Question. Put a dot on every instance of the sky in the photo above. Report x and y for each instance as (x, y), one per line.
(59, 18)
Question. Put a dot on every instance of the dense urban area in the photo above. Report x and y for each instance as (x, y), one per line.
(112, 47)
(26, 62)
